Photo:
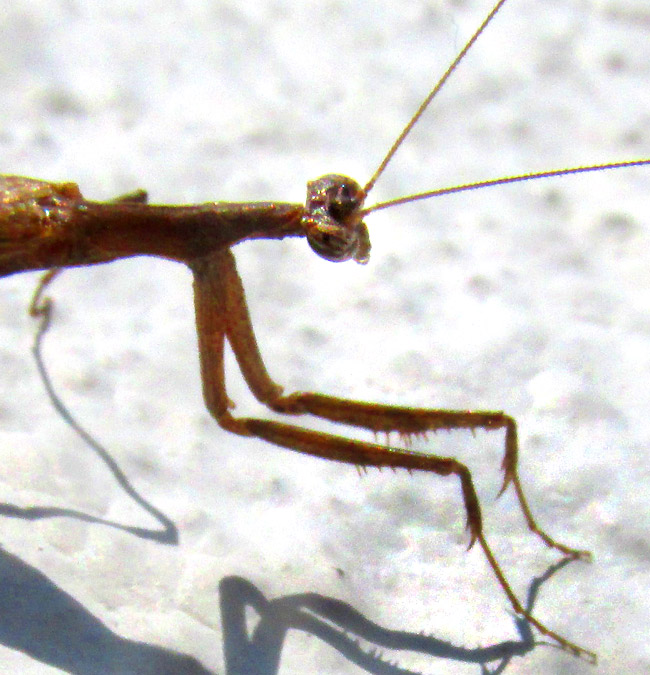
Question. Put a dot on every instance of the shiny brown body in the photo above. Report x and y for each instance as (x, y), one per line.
(45, 225)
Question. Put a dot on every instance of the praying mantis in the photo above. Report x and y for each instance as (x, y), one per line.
(314, 404)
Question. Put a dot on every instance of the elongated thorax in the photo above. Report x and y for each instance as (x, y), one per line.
(45, 225)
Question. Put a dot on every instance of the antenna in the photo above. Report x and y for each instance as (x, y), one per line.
(479, 184)
(423, 106)
(503, 181)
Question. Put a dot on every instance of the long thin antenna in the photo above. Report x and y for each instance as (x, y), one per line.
(380, 169)
(503, 181)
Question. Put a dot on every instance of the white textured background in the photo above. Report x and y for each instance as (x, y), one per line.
(533, 298)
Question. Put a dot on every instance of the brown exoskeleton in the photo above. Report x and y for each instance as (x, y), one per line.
(45, 226)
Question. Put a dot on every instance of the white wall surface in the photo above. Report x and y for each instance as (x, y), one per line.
(534, 299)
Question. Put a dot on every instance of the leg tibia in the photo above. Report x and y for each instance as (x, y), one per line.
(377, 417)
(360, 453)
(406, 421)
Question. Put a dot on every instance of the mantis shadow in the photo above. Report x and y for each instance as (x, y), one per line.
(258, 652)
(167, 534)
(43, 621)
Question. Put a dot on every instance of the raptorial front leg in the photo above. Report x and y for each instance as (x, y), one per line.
(218, 280)
(211, 318)
(221, 311)
(412, 421)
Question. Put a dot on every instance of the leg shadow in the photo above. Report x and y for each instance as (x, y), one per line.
(345, 629)
(41, 308)
(44, 622)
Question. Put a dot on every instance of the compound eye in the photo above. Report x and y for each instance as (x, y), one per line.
(344, 200)
(332, 220)
(331, 245)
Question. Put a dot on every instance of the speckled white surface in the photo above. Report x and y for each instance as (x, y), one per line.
(533, 298)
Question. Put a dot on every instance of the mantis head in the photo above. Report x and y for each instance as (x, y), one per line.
(333, 219)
